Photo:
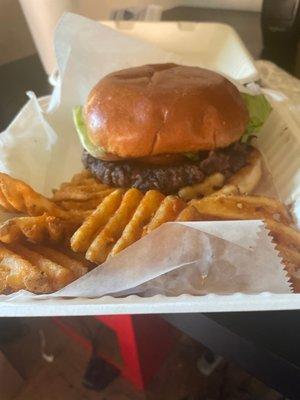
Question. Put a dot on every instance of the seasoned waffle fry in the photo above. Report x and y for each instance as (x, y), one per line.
(50, 268)
(284, 235)
(82, 193)
(36, 229)
(111, 229)
(189, 213)
(82, 176)
(83, 237)
(71, 205)
(290, 255)
(58, 275)
(107, 237)
(20, 197)
(168, 211)
(227, 190)
(144, 212)
(18, 273)
(205, 188)
(78, 268)
(240, 207)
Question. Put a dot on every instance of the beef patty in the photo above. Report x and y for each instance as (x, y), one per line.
(167, 179)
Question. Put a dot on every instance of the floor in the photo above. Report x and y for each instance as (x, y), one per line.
(53, 366)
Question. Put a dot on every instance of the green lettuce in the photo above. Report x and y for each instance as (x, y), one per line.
(192, 156)
(259, 109)
(81, 129)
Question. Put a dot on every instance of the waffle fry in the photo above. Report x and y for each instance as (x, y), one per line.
(144, 212)
(36, 268)
(205, 188)
(82, 193)
(17, 196)
(36, 229)
(76, 266)
(112, 231)
(121, 219)
(168, 211)
(88, 205)
(83, 237)
(82, 177)
(240, 207)
(58, 275)
(17, 273)
(284, 235)
(189, 213)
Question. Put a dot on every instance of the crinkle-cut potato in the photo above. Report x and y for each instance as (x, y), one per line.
(210, 184)
(17, 196)
(168, 211)
(189, 213)
(88, 205)
(82, 187)
(240, 207)
(84, 236)
(243, 181)
(82, 193)
(106, 238)
(37, 229)
(142, 215)
(121, 219)
(36, 268)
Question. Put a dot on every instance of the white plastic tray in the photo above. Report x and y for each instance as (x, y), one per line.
(108, 305)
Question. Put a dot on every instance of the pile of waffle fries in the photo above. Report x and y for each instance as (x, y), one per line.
(54, 241)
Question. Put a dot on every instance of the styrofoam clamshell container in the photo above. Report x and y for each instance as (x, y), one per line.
(209, 45)
(218, 47)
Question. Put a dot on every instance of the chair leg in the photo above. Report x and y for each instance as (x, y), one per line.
(144, 340)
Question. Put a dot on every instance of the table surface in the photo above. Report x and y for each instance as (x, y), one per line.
(264, 343)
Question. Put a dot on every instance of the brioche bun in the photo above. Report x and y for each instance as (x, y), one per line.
(162, 109)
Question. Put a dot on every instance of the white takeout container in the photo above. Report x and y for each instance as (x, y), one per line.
(218, 47)
(210, 45)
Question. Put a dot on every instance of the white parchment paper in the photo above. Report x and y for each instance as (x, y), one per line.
(197, 257)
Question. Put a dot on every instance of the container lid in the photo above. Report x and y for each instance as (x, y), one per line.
(210, 45)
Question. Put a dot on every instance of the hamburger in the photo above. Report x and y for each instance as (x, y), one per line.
(166, 126)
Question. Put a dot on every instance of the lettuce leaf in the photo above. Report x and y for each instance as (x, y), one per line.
(85, 141)
(259, 109)
(192, 156)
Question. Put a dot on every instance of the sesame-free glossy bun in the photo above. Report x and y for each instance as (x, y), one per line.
(164, 108)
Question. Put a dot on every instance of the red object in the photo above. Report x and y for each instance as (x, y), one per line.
(144, 342)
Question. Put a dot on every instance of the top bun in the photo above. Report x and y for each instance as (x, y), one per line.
(164, 108)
